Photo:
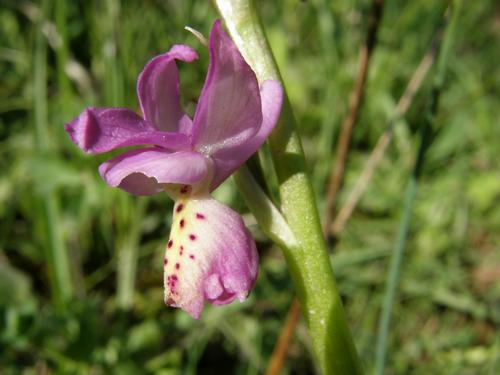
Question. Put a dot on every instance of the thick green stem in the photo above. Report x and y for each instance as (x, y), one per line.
(309, 262)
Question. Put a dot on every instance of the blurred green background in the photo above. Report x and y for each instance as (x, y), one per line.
(81, 263)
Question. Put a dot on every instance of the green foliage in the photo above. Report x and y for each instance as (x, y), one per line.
(447, 315)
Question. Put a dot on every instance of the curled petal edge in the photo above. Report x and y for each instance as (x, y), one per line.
(146, 171)
(158, 90)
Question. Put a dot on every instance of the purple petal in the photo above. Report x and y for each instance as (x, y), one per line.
(210, 256)
(158, 90)
(142, 172)
(99, 130)
(229, 159)
(229, 109)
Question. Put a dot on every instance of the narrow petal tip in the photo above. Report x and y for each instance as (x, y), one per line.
(83, 130)
(98, 130)
(242, 296)
(183, 52)
(158, 89)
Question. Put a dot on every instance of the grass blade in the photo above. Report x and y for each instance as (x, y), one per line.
(411, 191)
(56, 253)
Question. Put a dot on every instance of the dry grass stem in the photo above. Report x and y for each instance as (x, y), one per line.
(383, 142)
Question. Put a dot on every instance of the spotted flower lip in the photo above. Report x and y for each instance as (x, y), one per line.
(210, 256)
(214, 258)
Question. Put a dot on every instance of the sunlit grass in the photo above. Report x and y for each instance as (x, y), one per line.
(446, 318)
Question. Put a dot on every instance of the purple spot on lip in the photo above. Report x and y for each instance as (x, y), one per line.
(172, 283)
(200, 216)
(179, 208)
(170, 243)
(191, 256)
(177, 266)
(182, 223)
(165, 261)
(192, 237)
(184, 189)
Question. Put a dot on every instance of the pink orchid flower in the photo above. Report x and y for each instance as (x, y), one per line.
(210, 254)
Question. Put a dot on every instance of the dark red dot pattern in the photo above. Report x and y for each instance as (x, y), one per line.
(173, 279)
(172, 284)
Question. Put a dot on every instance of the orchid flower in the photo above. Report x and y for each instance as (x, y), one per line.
(210, 255)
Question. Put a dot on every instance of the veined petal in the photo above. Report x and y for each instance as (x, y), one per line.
(229, 159)
(99, 130)
(229, 110)
(158, 90)
(210, 256)
(143, 171)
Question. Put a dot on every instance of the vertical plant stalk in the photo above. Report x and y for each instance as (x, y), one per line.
(309, 263)
(355, 101)
(411, 191)
(336, 175)
(55, 251)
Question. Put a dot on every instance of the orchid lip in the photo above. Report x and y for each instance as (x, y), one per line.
(210, 256)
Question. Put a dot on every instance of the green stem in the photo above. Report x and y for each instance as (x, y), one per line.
(309, 263)
(393, 278)
(267, 215)
(56, 253)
